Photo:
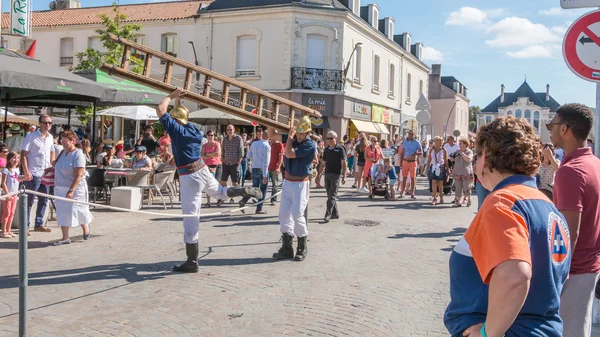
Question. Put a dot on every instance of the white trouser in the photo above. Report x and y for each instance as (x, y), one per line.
(294, 199)
(576, 303)
(192, 186)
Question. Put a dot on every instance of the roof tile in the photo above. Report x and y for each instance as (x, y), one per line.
(135, 13)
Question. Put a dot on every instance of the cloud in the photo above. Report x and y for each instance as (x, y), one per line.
(557, 11)
(514, 31)
(432, 54)
(473, 17)
(467, 16)
(535, 52)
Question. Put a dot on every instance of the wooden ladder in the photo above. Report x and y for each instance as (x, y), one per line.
(234, 97)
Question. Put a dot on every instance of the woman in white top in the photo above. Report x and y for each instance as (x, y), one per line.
(69, 182)
(547, 170)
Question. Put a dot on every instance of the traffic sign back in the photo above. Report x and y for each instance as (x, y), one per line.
(579, 3)
(581, 47)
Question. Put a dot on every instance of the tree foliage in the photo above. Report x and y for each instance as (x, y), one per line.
(93, 59)
(473, 115)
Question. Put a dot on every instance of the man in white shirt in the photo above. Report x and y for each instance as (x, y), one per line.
(37, 155)
(260, 154)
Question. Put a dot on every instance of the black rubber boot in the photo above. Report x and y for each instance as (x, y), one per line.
(287, 250)
(302, 249)
(191, 265)
(246, 191)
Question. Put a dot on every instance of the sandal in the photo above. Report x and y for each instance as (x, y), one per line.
(469, 203)
(457, 205)
(413, 197)
(207, 205)
(434, 202)
(5, 236)
(60, 243)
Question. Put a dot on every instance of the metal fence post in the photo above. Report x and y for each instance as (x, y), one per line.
(23, 280)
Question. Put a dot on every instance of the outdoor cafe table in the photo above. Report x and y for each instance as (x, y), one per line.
(122, 174)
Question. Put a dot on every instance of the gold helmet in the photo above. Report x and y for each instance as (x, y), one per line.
(181, 114)
(304, 125)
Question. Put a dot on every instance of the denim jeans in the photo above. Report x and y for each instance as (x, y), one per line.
(274, 177)
(35, 184)
(243, 169)
(482, 193)
(257, 179)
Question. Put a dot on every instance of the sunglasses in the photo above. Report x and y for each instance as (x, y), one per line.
(549, 126)
(330, 138)
(47, 123)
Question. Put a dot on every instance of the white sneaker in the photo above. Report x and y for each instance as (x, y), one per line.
(363, 190)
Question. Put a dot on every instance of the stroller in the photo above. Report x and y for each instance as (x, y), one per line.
(383, 188)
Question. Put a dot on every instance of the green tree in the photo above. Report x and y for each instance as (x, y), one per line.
(473, 115)
(93, 59)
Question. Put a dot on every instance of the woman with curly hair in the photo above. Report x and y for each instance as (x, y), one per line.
(508, 270)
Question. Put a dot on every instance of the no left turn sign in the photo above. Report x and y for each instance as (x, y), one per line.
(581, 47)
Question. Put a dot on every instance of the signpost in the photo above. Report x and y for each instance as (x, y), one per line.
(581, 50)
(579, 3)
(20, 18)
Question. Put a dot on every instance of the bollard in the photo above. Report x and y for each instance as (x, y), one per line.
(23, 305)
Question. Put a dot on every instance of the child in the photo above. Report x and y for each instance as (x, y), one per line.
(380, 175)
(10, 183)
(391, 173)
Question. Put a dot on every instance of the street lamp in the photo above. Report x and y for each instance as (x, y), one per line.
(448, 119)
(358, 44)
(196, 58)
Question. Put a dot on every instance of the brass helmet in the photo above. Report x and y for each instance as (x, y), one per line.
(304, 125)
(181, 114)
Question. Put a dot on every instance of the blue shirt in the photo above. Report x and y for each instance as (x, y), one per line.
(411, 147)
(516, 221)
(260, 153)
(305, 153)
(186, 140)
(392, 173)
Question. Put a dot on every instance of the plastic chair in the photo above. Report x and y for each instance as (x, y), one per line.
(161, 182)
(138, 178)
(97, 181)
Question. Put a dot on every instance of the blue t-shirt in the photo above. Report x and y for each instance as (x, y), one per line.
(305, 153)
(411, 147)
(392, 173)
(515, 222)
(186, 140)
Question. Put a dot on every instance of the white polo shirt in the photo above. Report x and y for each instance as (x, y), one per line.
(39, 149)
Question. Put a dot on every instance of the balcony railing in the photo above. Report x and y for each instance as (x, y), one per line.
(66, 61)
(317, 79)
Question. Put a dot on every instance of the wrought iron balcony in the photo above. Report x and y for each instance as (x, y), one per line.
(317, 79)
(66, 61)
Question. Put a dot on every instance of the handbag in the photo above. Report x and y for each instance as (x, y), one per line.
(48, 176)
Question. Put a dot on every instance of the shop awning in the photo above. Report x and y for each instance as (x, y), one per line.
(366, 127)
(382, 128)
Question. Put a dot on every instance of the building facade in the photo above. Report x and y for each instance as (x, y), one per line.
(449, 104)
(537, 108)
(338, 57)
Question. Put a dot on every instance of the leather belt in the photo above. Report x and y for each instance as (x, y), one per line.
(410, 161)
(296, 179)
(191, 168)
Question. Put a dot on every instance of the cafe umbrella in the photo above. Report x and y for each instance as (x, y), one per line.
(24, 79)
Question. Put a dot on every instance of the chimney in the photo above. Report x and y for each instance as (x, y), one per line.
(547, 92)
(436, 73)
(502, 93)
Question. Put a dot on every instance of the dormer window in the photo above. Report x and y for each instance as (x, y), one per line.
(391, 29)
(356, 7)
(375, 17)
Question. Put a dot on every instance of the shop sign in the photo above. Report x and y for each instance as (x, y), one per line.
(360, 111)
(321, 103)
(381, 114)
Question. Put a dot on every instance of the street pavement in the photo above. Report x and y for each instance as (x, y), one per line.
(381, 270)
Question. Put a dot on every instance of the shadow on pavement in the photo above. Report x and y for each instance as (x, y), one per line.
(127, 271)
(30, 245)
(234, 262)
(455, 232)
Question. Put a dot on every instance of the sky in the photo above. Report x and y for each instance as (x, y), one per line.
(482, 43)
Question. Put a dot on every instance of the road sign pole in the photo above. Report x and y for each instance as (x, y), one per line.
(597, 123)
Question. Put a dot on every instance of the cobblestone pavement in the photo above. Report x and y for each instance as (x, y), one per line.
(386, 279)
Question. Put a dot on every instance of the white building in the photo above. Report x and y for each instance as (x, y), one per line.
(537, 108)
(298, 50)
